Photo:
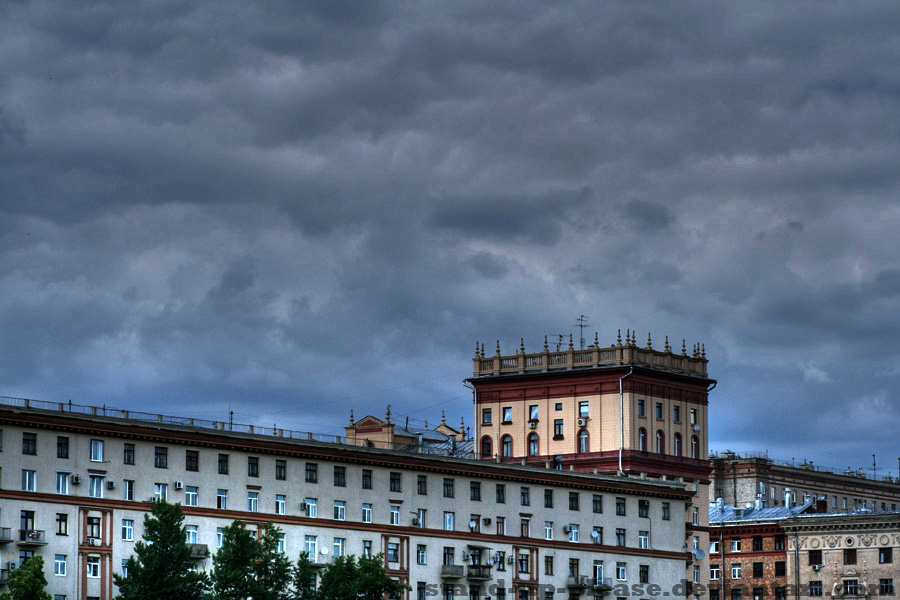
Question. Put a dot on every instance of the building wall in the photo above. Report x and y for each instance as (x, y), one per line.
(770, 552)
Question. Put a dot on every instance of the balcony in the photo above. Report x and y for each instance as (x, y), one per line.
(577, 581)
(5, 535)
(199, 551)
(452, 571)
(479, 572)
(602, 584)
(32, 537)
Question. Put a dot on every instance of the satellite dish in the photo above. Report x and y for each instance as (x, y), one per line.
(595, 534)
(323, 550)
(696, 428)
(700, 554)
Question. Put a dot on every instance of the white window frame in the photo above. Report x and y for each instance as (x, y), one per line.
(311, 545)
(644, 540)
(312, 508)
(128, 489)
(340, 510)
(191, 534)
(95, 486)
(736, 571)
(191, 495)
(574, 533)
(96, 450)
(127, 530)
(621, 571)
(366, 512)
(421, 554)
(220, 537)
(340, 546)
(395, 514)
(548, 530)
(59, 565)
(62, 482)
(281, 542)
(29, 480)
(93, 567)
(252, 501)
(160, 491)
(280, 504)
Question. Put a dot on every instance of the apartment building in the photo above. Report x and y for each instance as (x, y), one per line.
(76, 482)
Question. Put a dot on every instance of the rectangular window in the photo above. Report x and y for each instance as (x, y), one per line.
(501, 493)
(311, 471)
(191, 495)
(311, 545)
(62, 482)
(252, 466)
(643, 539)
(367, 479)
(583, 409)
(340, 508)
(448, 555)
(475, 491)
(191, 460)
(393, 552)
(851, 587)
(222, 499)
(128, 454)
(62, 524)
(449, 518)
(93, 567)
(757, 543)
(736, 544)
(525, 496)
(548, 498)
(59, 565)
(501, 525)
(367, 548)
(558, 425)
(815, 557)
(421, 554)
(280, 469)
(523, 562)
(190, 534)
(161, 457)
(160, 491)
(597, 503)
(574, 533)
(62, 446)
(676, 414)
(95, 486)
(780, 568)
(420, 518)
(548, 565)
(736, 570)
(507, 414)
(339, 544)
(93, 527)
(525, 528)
(366, 513)
(620, 537)
(29, 480)
(448, 488)
(573, 501)
(620, 507)
(695, 516)
(253, 501)
(422, 485)
(640, 408)
(279, 547)
(395, 514)
(815, 588)
(340, 476)
(659, 411)
(127, 530)
(280, 504)
(312, 508)
(223, 464)
(548, 530)
(886, 587)
(850, 556)
(714, 572)
(666, 511)
(573, 567)
(644, 509)
(644, 574)
(885, 555)
(486, 416)
(533, 412)
(96, 450)
(395, 482)
(29, 443)
(779, 542)
(757, 570)
(220, 537)
(621, 573)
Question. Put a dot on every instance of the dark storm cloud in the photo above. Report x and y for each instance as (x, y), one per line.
(277, 208)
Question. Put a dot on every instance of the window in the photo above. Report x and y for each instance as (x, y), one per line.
(366, 513)
(312, 508)
(714, 572)
(644, 573)
(29, 443)
(676, 413)
(642, 439)
(557, 429)
(525, 528)
(501, 493)
(548, 498)
(757, 569)
(190, 534)
(815, 557)
(395, 514)
(29, 480)
(815, 588)
(393, 552)
(659, 411)
(583, 409)
(621, 573)
(95, 486)
(695, 447)
(475, 491)
(851, 587)
(533, 412)
(573, 501)
(128, 489)
(523, 562)
(584, 442)
(62, 482)
(62, 446)
(548, 565)
(312, 473)
(340, 476)
(525, 496)
(620, 507)
(449, 518)
(736, 544)
(736, 570)
(160, 491)
(620, 537)
(59, 565)
(573, 567)
(311, 545)
(223, 464)
(757, 543)
(340, 508)
(644, 508)
(533, 444)
(253, 501)
(191, 460)
(280, 469)
(548, 530)
(660, 442)
(501, 561)
(507, 414)
(501, 525)
(161, 457)
(252, 466)
(448, 555)
(643, 539)
(780, 568)
(191, 495)
(128, 454)
(279, 546)
(885, 555)
(487, 448)
(448, 487)
(779, 542)
(640, 408)
(367, 479)
(850, 556)
(339, 544)
(127, 530)
(714, 547)
(222, 499)
(676, 444)
(486, 416)
(280, 504)
(93, 566)
(421, 554)
(367, 548)
(666, 511)
(62, 524)
(506, 446)
(574, 534)
(886, 587)
(422, 485)
(396, 482)
(93, 527)
(695, 516)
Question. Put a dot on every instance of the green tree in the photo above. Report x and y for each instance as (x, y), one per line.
(27, 582)
(349, 579)
(272, 568)
(304, 579)
(233, 564)
(161, 566)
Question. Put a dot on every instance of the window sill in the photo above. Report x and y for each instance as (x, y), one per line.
(559, 437)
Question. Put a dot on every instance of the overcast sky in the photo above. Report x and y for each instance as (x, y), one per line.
(291, 209)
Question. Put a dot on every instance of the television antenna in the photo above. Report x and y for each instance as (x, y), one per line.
(581, 322)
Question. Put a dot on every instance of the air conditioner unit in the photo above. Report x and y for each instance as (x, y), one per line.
(110, 485)
(532, 425)
(486, 520)
(76, 478)
(11, 565)
(93, 541)
(303, 506)
(816, 567)
(466, 556)
(153, 500)
(416, 522)
(582, 422)
(567, 528)
(179, 485)
(511, 560)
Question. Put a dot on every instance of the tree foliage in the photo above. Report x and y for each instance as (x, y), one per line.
(350, 579)
(304, 579)
(272, 568)
(233, 575)
(161, 566)
(27, 582)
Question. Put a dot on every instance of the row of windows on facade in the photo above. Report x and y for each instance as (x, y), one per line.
(584, 412)
(844, 504)
(848, 587)
(584, 443)
(885, 554)
(756, 544)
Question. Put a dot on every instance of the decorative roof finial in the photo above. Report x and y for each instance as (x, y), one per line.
(476, 349)
(546, 348)
(570, 341)
(351, 418)
(627, 336)
(649, 343)
(443, 418)
(482, 350)
(596, 340)
(387, 416)
(462, 425)
(619, 338)
(498, 347)
(426, 423)
(703, 351)
(668, 348)
(683, 348)
(634, 338)
(522, 345)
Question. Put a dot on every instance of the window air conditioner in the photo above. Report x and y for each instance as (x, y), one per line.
(511, 559)
(179, 485)
(486, 520)
(416, 522)
(566, 529)
(93, 541)
(582, 422)
(76, 478)
(110, 485)
(532, 425)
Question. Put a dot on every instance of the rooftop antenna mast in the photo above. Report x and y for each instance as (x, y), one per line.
(581, 322)
(559, 343)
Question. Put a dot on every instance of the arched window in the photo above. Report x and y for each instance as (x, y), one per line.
(676, 444)
(642, 439)
(583, 441)
(660, 442)
(695, 447)
(486, 447)
(533, 444)
(506, 446)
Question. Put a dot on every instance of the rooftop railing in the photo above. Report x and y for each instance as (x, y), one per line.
(804, 464)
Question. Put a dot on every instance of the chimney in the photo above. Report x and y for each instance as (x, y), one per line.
(720, 503)
(787, 497)
(758, 504)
